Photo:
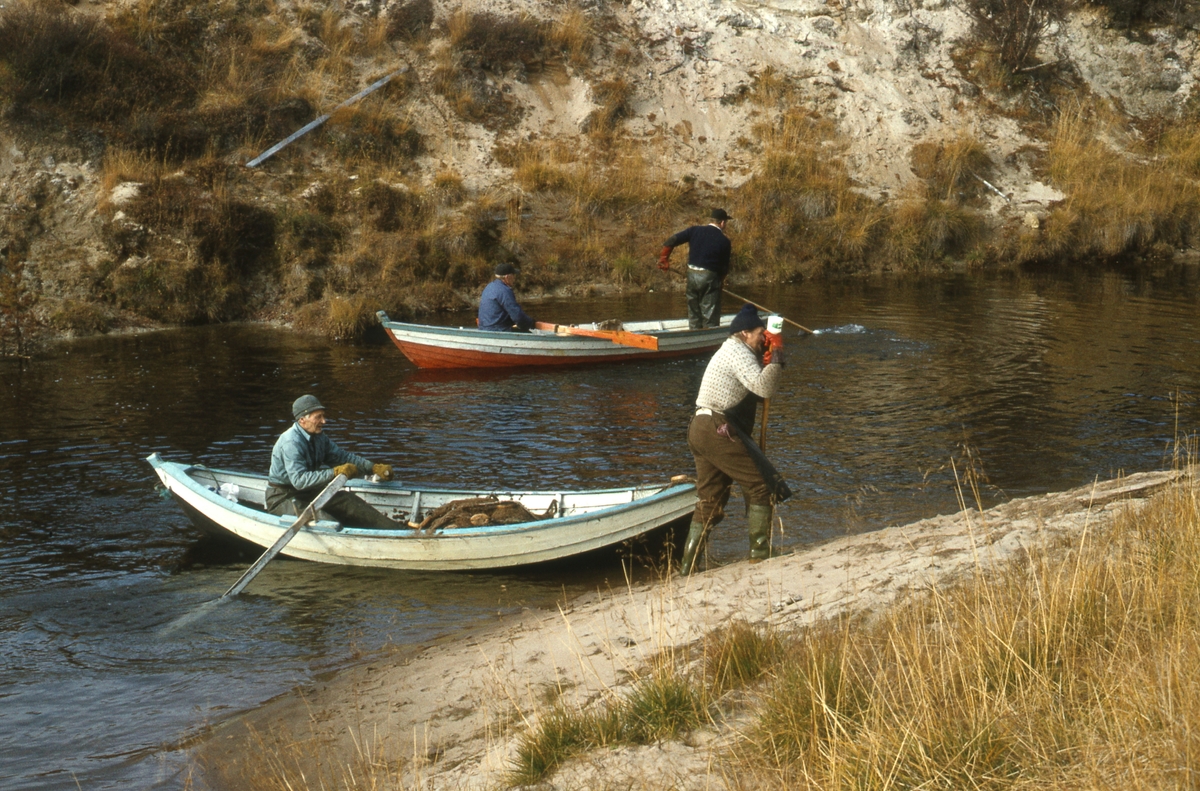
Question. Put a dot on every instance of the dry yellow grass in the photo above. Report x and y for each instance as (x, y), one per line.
(122, 164)
(1116, 202)
(572, 34)
(1075, 668)
(802, 197)
(952, 167)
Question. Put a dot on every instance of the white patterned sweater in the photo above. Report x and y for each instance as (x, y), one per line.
(733, 372)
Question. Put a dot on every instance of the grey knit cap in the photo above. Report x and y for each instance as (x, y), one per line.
(304, 405)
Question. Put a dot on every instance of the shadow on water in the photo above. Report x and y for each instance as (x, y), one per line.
(1042, 383)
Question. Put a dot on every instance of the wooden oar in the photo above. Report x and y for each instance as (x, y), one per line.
(307, 516)
(798, 326)
(634, 339)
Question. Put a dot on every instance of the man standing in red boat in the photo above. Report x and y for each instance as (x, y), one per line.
(304, 460)
(719, 437)
(498, 308)
(708, 264)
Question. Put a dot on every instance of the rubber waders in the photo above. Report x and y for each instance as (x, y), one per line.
(694, 538)
(758, 518)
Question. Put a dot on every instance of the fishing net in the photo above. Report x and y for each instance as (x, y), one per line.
(479, 511)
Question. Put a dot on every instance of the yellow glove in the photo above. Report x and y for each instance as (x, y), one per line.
(384, 471)
(348, 469)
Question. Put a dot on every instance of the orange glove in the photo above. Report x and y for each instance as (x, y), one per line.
(774, 349)
(348, 469)
(664, 259)
(384, 471)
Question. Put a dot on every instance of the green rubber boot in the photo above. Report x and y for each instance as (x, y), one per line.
(695, 538)
(758, 518)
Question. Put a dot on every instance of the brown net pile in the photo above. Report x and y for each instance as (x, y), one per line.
(478, 511)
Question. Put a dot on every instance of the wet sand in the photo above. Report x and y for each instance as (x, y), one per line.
(451, 713)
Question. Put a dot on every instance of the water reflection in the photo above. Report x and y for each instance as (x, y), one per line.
(1048, 383)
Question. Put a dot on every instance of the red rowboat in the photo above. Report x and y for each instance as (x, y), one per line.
(548, 344)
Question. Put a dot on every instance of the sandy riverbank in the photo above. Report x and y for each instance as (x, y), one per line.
(451, 713)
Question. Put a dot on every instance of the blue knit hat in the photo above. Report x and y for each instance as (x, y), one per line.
(746, 319)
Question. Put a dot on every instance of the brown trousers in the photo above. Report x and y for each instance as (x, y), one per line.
(720, 462)
(345, 507)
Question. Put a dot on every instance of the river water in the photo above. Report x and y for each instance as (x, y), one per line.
(1027, 384)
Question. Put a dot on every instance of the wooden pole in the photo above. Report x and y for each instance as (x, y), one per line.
(762, 432)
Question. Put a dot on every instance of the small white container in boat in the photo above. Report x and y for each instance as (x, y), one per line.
(775, 325)
(229, 491)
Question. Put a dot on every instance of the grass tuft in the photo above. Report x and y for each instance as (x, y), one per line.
(663, 704)
(612, 98)
(952, 169)
(410, 20)
(497, 43)
(740, 655)
(559, 735)
(188, 254)
(572, 35)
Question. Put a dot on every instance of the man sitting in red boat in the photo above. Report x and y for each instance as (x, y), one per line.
(498, 308)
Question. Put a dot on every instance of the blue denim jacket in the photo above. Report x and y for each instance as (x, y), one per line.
(305, 461)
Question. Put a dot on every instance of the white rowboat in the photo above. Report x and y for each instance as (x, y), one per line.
(583, 521)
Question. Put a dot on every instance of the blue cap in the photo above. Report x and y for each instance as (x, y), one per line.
(746, 319)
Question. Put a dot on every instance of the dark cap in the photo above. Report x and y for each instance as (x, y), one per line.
(746, 319)
(506, 269)
(719, 215)
(305, 405)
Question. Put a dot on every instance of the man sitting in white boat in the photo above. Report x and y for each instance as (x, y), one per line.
(498, 308)
(304, 460)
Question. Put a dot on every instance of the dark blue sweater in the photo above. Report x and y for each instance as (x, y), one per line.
(499, 311)
(708, 247)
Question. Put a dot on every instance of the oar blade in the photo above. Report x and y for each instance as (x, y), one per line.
(636, 340)
(309, 513)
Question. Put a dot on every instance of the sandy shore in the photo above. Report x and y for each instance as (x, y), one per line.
(451, 713)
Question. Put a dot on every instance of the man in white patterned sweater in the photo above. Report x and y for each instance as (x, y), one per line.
(719, 437)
